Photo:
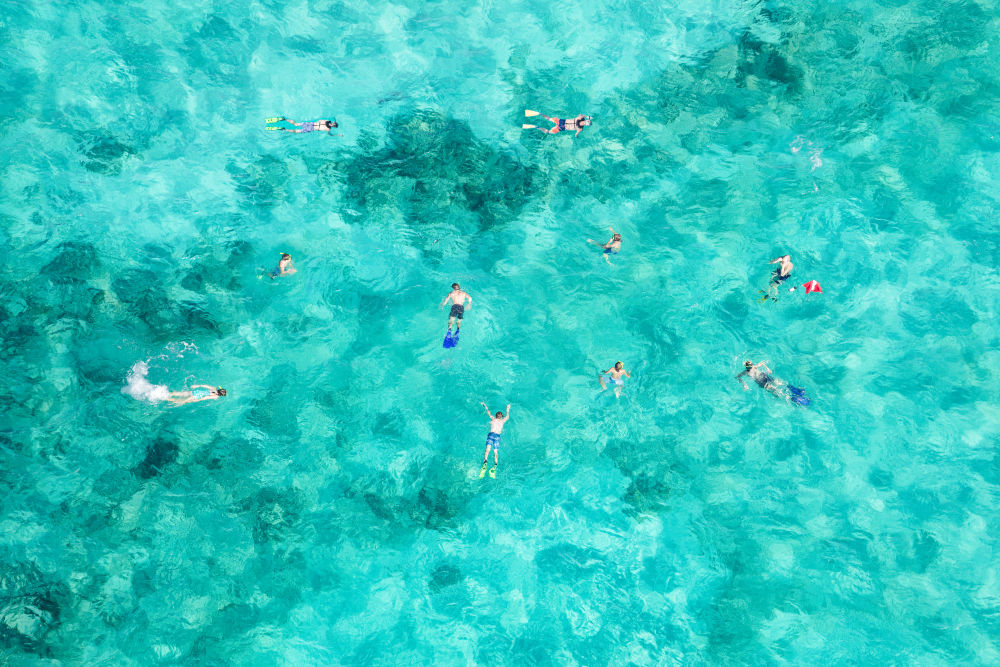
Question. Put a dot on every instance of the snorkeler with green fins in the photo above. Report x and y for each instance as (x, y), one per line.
(321, 125)
(493, 440)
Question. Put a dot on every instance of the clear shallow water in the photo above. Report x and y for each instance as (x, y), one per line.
(329, 509)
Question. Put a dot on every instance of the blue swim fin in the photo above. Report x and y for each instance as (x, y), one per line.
(448, 340)
(799, 396)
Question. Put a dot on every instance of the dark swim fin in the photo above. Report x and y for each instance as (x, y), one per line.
(798, 396)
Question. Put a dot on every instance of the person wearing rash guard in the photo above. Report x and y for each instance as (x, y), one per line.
(493, 439)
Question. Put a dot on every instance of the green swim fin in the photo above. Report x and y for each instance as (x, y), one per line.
(273, 120)
(274, 128)
(493, 472)
(482, 471)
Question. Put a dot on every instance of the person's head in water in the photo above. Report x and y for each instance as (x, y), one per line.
(619, 365)
(499, 415)
(455, 286)
(748, 364)
(616, 237)
(220, 391)
(583, 121)
(285, 256)
(330, 124)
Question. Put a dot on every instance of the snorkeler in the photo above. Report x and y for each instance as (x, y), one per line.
(284, 267)
(612, 247)
(312, 126)
(560, 124)
(765, 380)
(615, 375)
(779, 388)
(457, 298)
(493, 440)
(199, 392)
(780, 275)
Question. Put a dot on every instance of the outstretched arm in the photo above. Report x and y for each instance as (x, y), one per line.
(444, 302)
(469, 301)
(487, 409)
(740, 378)
(507, 416)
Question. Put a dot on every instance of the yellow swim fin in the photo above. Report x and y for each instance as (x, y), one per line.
(273, 120)
(526, 126)
(493, 472)
(274, 129)
(482, 471)
(528, 113)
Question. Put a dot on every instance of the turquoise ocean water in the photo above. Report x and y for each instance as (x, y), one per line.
(329, 509)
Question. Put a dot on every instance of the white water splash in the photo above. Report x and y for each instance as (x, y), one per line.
(139, 388)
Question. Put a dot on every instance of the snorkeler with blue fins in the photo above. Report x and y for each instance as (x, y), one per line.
(769, 383)
(458, 300)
